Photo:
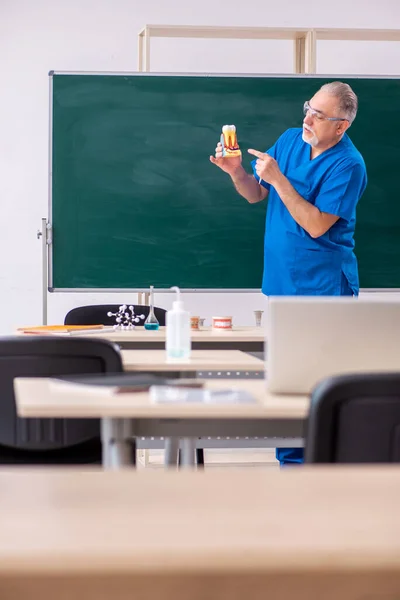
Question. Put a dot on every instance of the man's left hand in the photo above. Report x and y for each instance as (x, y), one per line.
(266, 167)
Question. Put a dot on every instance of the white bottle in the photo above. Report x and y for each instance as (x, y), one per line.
(178, 342)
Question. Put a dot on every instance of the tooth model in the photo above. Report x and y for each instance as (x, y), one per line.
(230, 146)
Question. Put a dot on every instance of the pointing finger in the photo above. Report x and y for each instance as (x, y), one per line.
(257, 153)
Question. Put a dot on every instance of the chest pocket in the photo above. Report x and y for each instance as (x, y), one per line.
(316, 272)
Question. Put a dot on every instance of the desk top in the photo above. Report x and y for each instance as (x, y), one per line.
(200, 360)
(36, 398)
(306, 520)
(205, 334)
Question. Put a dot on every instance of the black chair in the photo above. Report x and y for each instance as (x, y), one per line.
(97, 314)
(50, 441)
(355, 419)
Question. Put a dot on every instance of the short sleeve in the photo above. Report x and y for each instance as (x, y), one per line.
(342, 190)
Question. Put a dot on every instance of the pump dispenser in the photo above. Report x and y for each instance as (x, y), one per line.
(178, 342)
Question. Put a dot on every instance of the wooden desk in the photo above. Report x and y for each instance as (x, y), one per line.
(125, 416)
(303, 533)
(247, 339)
(200, 360)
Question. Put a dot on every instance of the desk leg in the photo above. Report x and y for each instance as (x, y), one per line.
(118, 443)
(171, 452)
(188, 452)
(172, 444)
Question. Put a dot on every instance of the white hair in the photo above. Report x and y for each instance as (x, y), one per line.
(348, 101)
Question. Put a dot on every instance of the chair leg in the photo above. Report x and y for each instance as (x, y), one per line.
(200, 457)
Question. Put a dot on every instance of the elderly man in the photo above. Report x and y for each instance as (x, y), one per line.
(313, 178)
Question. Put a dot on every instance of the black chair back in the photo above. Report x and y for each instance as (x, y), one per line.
(355, 419)
(97, 314)
(47, 356)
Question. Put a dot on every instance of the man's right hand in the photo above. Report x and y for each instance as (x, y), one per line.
(228, 164)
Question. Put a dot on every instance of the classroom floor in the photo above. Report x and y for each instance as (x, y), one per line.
(218, 458)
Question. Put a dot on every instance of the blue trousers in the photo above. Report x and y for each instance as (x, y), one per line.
(295, 456)
(289, 456)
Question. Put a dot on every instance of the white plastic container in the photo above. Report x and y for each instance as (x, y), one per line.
(178, 342)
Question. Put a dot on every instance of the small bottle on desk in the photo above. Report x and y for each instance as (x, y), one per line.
(151, 323)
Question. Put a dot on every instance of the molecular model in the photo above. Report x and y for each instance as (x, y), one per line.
(125, 319)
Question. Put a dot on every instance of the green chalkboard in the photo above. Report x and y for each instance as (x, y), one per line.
(136, 202)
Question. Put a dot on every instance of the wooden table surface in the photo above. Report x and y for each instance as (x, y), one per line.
(303, 533)
(206, 334)
(37, 397)
(200, 360)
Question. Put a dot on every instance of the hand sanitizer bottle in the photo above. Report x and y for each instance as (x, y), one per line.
(151, 323)
(178, 342)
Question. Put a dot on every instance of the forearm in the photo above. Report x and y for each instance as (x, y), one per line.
(309, 217)
(247, 186)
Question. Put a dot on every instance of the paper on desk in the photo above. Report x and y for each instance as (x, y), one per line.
(164, 394)
(110, 384)
(102, 331)
(104, 384)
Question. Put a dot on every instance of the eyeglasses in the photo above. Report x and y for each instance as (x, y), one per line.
(316, 114)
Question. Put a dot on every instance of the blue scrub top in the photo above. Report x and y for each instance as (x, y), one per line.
(294, 262)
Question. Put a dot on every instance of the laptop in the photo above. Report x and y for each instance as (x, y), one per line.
(310, 338)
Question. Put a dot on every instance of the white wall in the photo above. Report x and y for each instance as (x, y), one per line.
(98, 35)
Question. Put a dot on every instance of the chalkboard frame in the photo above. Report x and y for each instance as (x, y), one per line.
(49, 241)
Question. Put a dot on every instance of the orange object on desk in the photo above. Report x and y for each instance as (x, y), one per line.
(194, 322)
(43, 329)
